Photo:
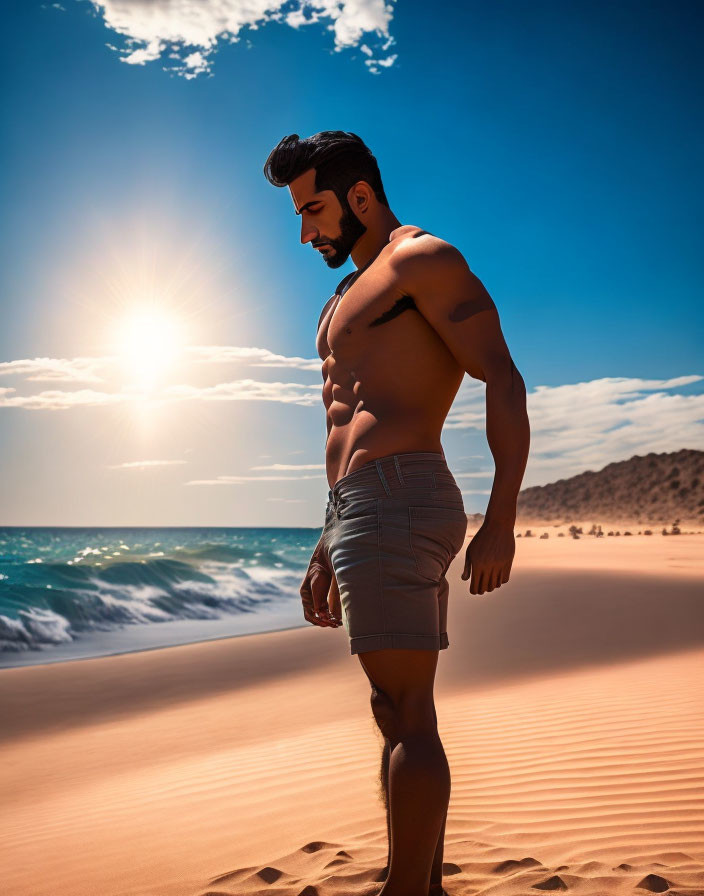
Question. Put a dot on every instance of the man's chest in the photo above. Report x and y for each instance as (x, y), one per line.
(371, 312)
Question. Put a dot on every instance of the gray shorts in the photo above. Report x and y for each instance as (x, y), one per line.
(392, 528)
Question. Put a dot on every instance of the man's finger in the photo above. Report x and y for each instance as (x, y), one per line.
(476, 580)
(334, 604)
(320, 585)
(467, 567)
(315, 570)
(305, 592)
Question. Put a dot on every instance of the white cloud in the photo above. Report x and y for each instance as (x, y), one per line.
(192, 28)
(107, 369)
(86, 369)
(574, 427)
(385, 63)
(196, 63)
(289, 500)
(56, 400)
(142, 464)
(251, 355)
(57, 369)
(584, 426)
(289, 467)
(239, 390)
(353, 18)
(144, 54)
(244, 390)
(237, 480)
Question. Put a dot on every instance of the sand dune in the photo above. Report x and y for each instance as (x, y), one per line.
(569, 704)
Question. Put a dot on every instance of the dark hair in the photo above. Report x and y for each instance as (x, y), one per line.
(340, 159)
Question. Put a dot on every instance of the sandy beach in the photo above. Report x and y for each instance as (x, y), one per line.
(569, 703)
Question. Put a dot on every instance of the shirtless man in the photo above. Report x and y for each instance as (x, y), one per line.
(395, 341)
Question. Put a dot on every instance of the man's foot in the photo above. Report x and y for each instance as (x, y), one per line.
(434, 890)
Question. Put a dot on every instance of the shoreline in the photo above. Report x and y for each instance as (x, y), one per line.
(602, 553)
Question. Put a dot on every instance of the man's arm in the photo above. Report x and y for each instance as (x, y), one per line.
(458, 307)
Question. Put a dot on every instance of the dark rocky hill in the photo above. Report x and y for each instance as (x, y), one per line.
(653, 488)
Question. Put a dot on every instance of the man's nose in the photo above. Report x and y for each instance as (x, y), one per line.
(308, 233)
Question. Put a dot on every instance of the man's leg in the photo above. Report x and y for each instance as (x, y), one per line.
(436, 871)
(418, 773)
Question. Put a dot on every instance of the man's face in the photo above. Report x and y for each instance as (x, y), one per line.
(331, 229)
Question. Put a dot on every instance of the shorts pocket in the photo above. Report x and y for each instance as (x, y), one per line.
(436, 536)
(353, 550)
(357, 509)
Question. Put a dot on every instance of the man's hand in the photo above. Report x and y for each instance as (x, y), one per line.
(489, 557)
(319, 593)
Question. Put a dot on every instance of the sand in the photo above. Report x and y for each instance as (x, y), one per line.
(569, 703)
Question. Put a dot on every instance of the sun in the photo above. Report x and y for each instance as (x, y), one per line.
(149, 340)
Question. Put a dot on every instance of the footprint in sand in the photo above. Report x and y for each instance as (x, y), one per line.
(316, 846)
(450, 868)
(552, 883)
(514, 864)
(333, 863)
(269, 875)
(654, 883)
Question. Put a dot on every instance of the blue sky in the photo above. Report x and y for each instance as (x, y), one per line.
(558, 146)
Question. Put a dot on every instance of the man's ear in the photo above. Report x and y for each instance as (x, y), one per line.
(359, 196)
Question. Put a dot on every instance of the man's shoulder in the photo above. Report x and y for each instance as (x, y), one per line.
(410, 240)
(417, 249)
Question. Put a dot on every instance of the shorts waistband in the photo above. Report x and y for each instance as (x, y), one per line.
(389, 470)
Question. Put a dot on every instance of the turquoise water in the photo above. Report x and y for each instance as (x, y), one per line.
(63, 591)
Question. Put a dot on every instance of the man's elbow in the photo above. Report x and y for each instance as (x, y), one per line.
(500, 371)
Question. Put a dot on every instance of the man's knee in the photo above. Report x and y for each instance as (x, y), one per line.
(410, 714)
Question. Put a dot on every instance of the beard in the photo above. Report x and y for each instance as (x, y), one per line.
(351, 229)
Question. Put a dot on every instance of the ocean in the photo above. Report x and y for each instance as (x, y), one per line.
(71, 593)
